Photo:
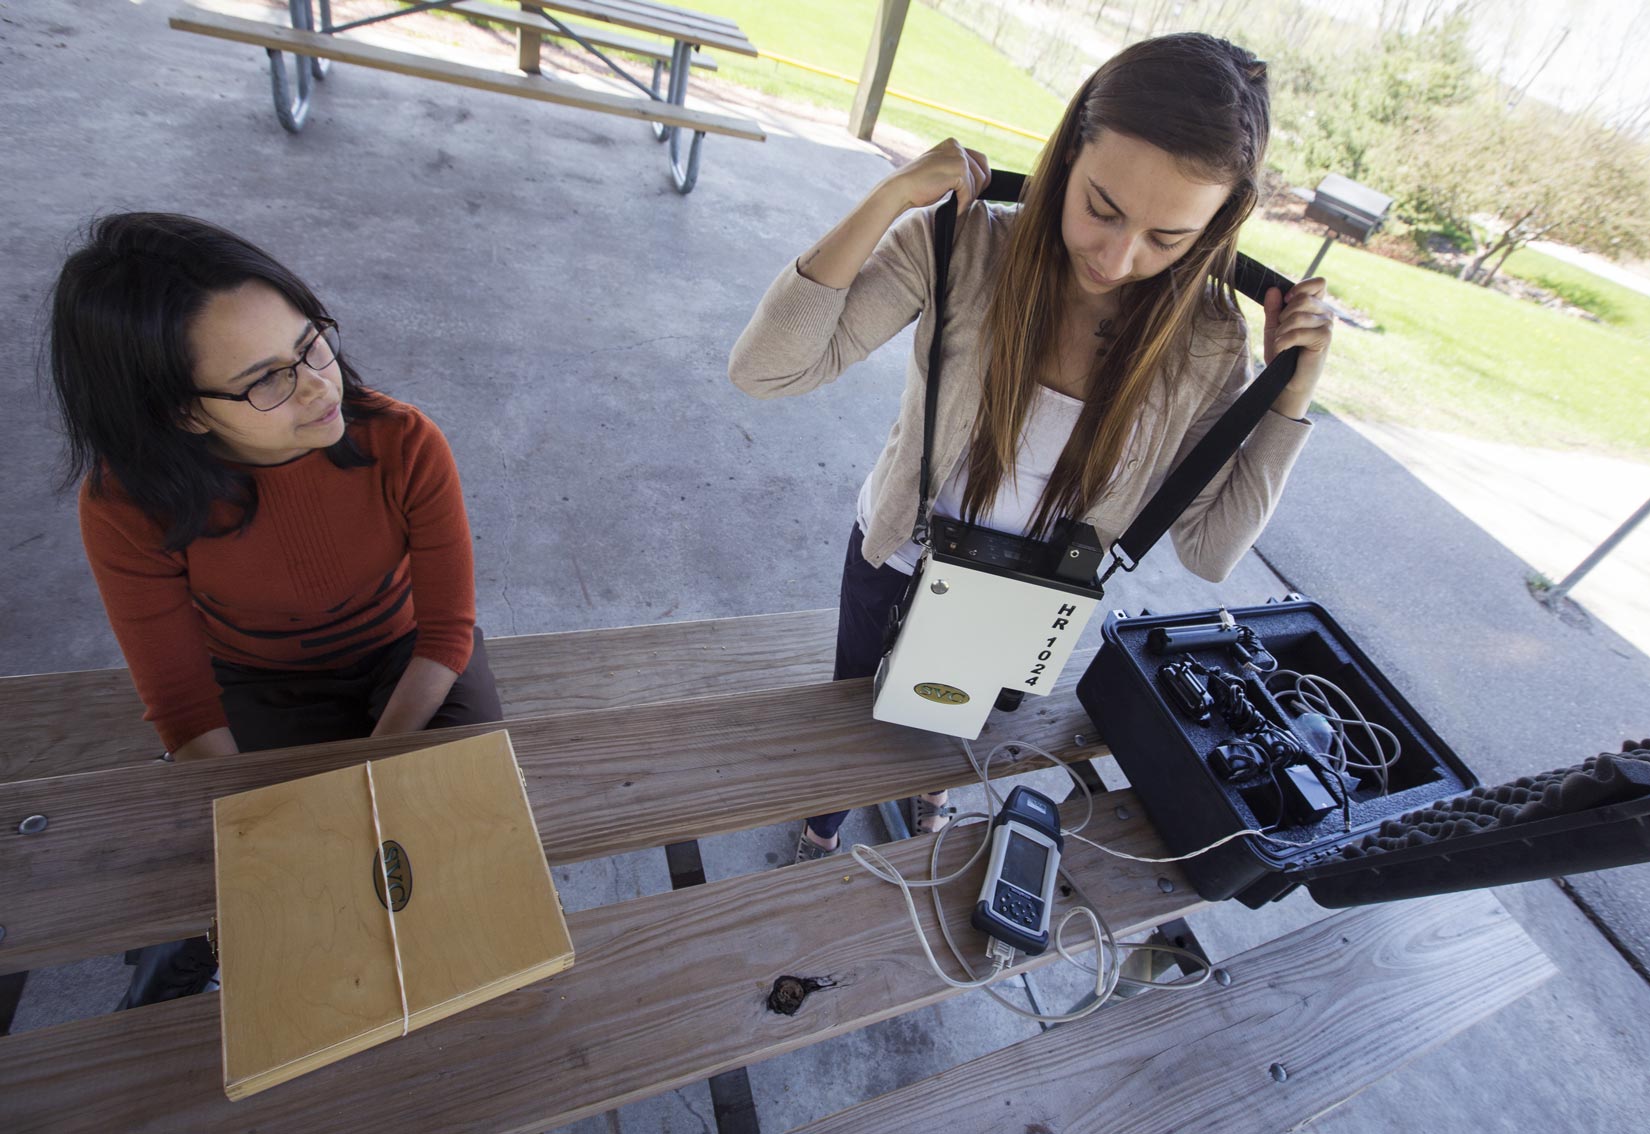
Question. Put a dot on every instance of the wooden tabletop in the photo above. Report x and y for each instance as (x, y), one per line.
(666, 990)
(661, 19)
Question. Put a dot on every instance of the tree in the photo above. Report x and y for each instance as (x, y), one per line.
(1507, 177)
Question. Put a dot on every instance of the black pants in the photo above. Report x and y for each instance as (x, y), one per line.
(867, 595)
(270, 708)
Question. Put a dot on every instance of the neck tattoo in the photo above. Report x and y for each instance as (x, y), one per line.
(1105, 334)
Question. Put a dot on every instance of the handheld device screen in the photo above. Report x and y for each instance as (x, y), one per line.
(1023, 863)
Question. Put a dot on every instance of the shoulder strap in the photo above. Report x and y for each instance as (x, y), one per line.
(1004, 186)
(1216, 447)
(1249, 277)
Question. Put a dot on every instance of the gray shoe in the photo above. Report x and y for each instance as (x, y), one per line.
(809, 851)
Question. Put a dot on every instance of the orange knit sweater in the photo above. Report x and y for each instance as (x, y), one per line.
(336, 563)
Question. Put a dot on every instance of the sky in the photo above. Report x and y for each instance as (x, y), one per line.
(1571, 53)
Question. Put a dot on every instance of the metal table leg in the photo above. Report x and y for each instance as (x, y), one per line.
(684, 175)
(292, 106)
(660, 69)
(318, 66)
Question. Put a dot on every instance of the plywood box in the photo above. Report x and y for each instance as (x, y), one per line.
(326, 949)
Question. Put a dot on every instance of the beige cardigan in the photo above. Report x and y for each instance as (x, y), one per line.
(804, 334)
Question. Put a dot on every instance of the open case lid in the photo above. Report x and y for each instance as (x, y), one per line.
(1593, 816)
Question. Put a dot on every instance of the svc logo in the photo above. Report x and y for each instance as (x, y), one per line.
(940, 694)
(398, 867)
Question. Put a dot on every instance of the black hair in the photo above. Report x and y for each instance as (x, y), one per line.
(123, 374)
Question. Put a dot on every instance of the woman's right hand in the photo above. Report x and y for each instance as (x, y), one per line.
(948, 166)
(839, 255)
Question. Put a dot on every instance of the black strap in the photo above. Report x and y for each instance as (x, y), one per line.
(1249, 277)
(1004, 186)
(1216, 447)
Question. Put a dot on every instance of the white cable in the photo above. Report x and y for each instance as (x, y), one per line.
(1191, 854)
(1317, 694)
(1088, 797)
(991, 792)
(1107, 969)
(872, 860)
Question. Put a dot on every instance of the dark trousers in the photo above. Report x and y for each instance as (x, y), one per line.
(868, 594)
(269, 708)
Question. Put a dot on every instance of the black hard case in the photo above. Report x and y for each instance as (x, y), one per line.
(1164, 755)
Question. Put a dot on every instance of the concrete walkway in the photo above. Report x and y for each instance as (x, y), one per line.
(526, 275)
(1598, 265)
(1549, 508)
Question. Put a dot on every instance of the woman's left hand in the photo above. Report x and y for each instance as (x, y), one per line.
(1301, 318)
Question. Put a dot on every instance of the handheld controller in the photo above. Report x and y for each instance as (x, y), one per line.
(1018, 892)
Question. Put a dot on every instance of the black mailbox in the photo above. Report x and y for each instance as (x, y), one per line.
(1345, 208)
(1348, 208)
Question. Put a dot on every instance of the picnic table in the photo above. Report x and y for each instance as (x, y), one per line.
(700, 728)
(314, 38)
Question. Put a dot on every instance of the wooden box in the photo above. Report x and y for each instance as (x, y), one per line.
(311, 950)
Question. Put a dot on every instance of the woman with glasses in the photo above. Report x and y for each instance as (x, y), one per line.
(283, 553)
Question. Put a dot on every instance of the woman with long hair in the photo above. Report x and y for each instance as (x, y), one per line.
(282, 552)
(1090, 338)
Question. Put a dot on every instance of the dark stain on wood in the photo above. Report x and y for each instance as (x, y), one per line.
(790, 991)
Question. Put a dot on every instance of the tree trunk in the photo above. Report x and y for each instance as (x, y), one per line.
(1489, 277)
(1510, 235)
(1469, 271)
(1512, 247)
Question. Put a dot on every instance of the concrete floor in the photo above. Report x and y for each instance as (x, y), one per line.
(526, 275)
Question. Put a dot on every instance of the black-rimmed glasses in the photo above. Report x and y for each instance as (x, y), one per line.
(273, 389)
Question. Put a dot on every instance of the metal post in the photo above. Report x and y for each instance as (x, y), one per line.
(1323, 250)
(879, 61)
(292, 100)
(1556, 595)
(318, 66)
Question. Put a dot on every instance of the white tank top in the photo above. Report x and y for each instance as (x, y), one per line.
(1042, 439)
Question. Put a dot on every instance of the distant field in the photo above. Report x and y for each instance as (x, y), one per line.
(1464, 359)
(938, 60)
(1618, 306)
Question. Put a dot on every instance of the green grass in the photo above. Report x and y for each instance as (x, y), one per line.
(1621, 307)
(1464, 359)
(938, 60)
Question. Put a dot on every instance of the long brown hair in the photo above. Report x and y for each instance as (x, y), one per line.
(1205, 102)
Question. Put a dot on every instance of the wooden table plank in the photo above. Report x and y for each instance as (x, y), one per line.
(581, 670)
(57, 724)
(512, 16)
(660, 19)
(127, 857)
(1338, 1005)
(537, 87)
(666, 990)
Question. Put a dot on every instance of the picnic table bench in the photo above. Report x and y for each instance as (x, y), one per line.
(314, 38)
(705, 728)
